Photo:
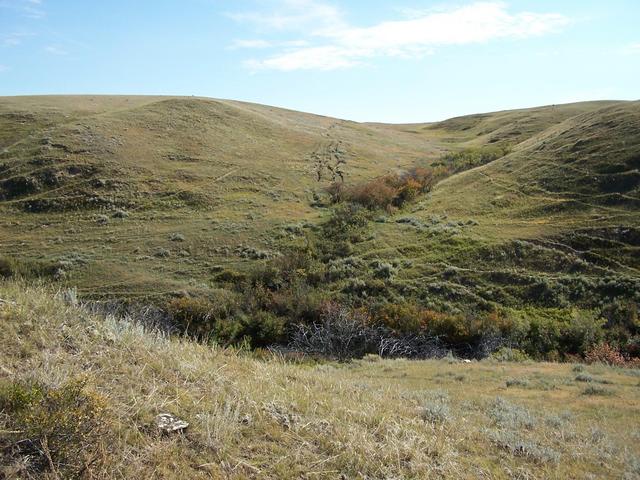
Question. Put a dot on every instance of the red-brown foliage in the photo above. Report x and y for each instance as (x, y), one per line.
(391, 190)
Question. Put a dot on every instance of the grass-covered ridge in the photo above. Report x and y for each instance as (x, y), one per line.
(105, 379)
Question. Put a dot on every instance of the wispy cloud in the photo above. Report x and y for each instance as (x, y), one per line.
(633, 48)
(293, 15)
(14, 39)
(336, 44)
(259, 44)
(27, 8)
(55, 50)
(4, 68)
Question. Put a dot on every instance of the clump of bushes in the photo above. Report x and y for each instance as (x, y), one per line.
(517, 382)
(343, 333)
(60, 430)
(507, 354)
(597, 390)
(192, 315)
(517, 445)
(471, 157)
(605, 353)
(436, 411)
(225, 317)
(176, 237)
(510, 416)
(391, 190)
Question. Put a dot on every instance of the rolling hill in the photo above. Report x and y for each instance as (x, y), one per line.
(101, 185)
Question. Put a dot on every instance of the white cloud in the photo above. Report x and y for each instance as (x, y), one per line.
(4, 68)
(293, 15)
(251, 44)
(28, 8)
(14, 39)
(340, 45)
(633, 48)
(261, 44)
(55, 50)
(310, 58)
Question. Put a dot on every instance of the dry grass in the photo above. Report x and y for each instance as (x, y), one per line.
(269, 418)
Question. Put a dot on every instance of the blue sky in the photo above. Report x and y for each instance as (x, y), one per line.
(400, 61)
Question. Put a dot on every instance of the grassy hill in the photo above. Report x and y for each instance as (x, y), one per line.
(149, 198)
(226, 174)
(222, 174)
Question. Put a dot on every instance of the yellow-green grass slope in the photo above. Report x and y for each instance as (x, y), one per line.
(222, 174)
(224, 179)
(79, 394)
(563, 205)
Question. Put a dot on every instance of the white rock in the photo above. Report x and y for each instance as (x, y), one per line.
(169, 424)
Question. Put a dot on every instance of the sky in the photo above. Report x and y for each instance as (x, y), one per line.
(365, 60)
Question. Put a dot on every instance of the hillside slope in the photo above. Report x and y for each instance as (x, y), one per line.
(555, 222)
(86, 389)
(144, 196)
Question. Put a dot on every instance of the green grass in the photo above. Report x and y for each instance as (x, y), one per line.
(229, 175)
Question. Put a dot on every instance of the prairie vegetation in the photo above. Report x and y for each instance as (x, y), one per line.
(304, 299)
(79, 393)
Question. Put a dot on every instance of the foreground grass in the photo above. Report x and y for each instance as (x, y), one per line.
(268, 418)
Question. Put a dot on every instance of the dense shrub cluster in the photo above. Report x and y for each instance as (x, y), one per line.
(392, 190)
(472, 157)
(609, 355)
(58, 430)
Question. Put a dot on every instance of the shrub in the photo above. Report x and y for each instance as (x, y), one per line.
(596, 390)
(508, 354)
(28, 269)
(344, 221)
(378, 193)
(452, 329)
(299, 302)
(584, 377)
(510, 416)
(257, 329)
(582, 332)
(60, 430)
(519, 446)
(231, 277)
(194, 316)
(470, 158)
(399, 317)
(383, 269)
(120, 214)
(435, 412)
(341, 334)
(517, 382)
(392, 190)
(604, 353)
(176, 237)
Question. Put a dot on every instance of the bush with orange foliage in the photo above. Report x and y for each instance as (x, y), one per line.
(392, 190)
(605, 353)
(378, 193)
